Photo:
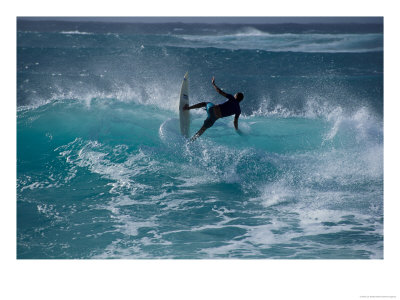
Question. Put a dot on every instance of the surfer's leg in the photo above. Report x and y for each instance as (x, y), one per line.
(207, 123)
(198, 105)
(199, 133)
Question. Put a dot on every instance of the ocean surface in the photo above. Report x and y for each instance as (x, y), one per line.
(103, 172)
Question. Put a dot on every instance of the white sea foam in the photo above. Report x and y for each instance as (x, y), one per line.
(88, 154)
(251, 31)
(148, 94)
(76, 32)
(312, 223)
(251, 38)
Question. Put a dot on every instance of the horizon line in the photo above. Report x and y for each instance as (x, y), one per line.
(213, 20)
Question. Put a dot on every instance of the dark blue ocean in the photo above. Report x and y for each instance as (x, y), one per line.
(103, 172)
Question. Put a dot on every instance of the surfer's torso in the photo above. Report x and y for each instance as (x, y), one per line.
(228, 108)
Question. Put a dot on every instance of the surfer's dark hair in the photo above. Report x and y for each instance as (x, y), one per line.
(239, 96)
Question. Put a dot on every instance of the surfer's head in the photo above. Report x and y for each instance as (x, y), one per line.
(239, 96)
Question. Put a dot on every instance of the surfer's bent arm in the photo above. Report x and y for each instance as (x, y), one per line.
(235, 122)
(221, 92)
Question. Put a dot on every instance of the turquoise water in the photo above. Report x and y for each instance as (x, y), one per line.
(103, 172)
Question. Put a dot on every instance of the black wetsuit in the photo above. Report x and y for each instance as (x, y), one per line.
(228, 108)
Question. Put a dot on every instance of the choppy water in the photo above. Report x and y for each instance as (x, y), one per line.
(102, 171)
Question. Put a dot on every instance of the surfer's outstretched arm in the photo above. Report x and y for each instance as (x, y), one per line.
(221, 92)
(198, 105)
(199, 133)
(235, 122)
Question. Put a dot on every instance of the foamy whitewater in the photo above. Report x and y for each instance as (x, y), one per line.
(103, 172)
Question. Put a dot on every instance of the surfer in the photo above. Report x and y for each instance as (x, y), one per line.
(214, 112)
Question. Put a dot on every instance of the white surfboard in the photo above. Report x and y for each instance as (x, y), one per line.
(184, 116)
